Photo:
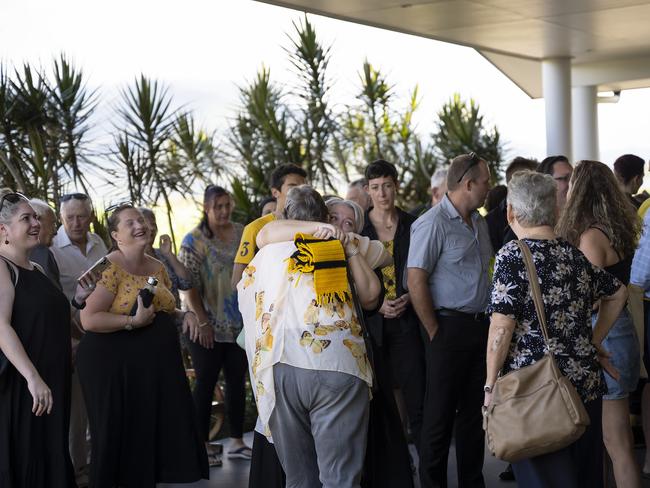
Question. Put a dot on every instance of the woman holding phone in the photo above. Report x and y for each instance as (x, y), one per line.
(35, 357)
(131, 371)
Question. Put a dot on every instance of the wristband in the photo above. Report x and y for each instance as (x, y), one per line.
(78, 306)
(353, 253)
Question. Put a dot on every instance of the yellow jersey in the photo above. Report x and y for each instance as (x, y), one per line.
(247, 247)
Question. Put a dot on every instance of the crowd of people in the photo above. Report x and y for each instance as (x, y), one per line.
(363, 328)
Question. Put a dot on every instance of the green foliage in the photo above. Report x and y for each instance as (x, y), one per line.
(159, 148)
(378, 129)
(44, 125)
(460, 129)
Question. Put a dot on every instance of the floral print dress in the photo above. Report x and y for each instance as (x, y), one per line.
(570, 286)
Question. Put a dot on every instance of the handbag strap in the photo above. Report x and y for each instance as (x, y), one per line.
(534, 288)
(364, 328)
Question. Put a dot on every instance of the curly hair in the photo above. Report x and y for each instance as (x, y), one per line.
(596, 198)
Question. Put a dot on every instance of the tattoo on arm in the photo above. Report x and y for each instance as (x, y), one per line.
(500, 333)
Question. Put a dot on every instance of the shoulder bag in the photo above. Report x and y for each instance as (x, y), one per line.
(535, 410)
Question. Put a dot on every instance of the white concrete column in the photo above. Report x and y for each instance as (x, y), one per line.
(556, 84)
(585, 122)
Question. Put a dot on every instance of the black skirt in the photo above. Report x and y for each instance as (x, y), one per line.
(140, 409)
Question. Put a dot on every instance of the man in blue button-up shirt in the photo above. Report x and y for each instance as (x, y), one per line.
(448, 280)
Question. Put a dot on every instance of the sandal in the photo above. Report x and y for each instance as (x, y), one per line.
(241, 453)
(214, 461)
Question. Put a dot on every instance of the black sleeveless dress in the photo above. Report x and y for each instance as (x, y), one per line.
(140, 408)
(34, 450)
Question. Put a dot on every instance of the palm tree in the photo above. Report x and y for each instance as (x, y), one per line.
(460, 129)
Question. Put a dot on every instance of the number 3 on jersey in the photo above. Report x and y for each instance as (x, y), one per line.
(244, 249)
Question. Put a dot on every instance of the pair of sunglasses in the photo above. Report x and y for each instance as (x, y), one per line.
(12, 198)
(73, 196)
(109, 210)
(475, 159)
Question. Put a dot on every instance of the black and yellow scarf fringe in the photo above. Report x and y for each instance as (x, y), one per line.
(325, 259)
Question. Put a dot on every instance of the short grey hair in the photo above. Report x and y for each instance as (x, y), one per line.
(41, 207)
(438, 178)
(532, 197)
(305, 203)
(359, 219)
(86, 201)
(360, 183)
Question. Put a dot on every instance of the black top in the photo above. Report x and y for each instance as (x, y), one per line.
(498, 227)
(622, 268)
(401, 243)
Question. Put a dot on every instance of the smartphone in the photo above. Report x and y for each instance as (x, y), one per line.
(98, 267)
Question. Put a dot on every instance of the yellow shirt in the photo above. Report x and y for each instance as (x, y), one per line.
(125, 286)
(644, 208)
(388, 273)
(247, 246)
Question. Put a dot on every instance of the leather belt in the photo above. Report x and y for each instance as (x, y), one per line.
(448, 312)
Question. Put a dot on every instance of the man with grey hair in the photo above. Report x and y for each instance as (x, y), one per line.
(449, 286)
(438, 185)
(42, 254)
(76, 249)
(358, 194)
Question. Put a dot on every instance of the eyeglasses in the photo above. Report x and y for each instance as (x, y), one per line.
(475, 160)
(73, 196)
(12, 198)
(117, 206)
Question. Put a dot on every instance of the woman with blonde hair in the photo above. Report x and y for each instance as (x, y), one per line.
(600, 220)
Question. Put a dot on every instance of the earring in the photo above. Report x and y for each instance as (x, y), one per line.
(6, 241)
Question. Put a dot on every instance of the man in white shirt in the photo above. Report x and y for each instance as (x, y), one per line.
(76, 249)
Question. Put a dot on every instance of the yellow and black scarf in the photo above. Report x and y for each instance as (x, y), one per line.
(325, 259)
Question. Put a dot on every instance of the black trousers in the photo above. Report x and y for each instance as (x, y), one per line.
(577, 465)
(455, 375)
(207, 366)
(266, 470)
(402, 350)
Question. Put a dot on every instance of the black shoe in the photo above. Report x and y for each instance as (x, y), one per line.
(507, 475)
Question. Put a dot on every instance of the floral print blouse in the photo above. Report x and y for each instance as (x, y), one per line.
(210, 263)
(570, 285)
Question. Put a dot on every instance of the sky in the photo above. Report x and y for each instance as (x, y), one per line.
(203, 49)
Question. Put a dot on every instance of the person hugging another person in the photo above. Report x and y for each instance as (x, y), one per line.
(307, 357)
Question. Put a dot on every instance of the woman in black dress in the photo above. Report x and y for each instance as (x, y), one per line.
(34, 359)
(138, 398)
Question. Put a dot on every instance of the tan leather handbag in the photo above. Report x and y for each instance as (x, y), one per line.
(535, 410)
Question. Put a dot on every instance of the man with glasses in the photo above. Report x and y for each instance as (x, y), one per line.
(561, 170)
(76, 249)
(449, 286)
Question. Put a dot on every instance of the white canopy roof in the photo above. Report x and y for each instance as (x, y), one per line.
(608, 41)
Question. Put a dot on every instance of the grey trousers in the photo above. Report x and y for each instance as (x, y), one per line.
(319, 426)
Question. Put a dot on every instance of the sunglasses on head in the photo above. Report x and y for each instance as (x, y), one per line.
(12, 198)
(117, 206)
(73, 196)
(475, 159)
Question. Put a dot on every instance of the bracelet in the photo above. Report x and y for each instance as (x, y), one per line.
(353, 253)
(129, 323)
(488, 388)
(204, 324)
(78, 306)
